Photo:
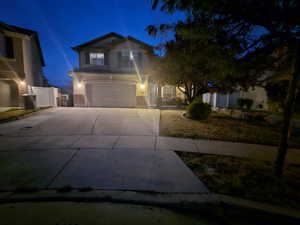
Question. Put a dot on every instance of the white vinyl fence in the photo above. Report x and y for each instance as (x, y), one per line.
(218, 100)
(45, 96)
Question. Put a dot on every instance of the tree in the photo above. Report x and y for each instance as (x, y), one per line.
(194, 64)
(280, 23)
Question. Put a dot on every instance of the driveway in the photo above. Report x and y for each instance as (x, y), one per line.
(86, 121)
(83, 128)
(102, 148)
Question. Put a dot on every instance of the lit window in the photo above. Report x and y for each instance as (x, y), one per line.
(169, 92)
(97, 58)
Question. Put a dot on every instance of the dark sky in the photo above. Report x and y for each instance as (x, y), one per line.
(62, 24)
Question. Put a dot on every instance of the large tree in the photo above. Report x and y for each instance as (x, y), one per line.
(242, 19)
(197, 59)
(190, 65)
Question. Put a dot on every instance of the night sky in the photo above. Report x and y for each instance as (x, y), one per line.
(62, 24)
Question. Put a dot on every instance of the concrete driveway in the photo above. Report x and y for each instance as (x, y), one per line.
(86, 121)
(111, 149)
(84, 128)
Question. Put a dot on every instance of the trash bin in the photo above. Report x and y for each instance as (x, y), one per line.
(29, 101)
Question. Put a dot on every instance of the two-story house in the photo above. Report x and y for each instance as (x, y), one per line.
(112, 73)
(21, 63)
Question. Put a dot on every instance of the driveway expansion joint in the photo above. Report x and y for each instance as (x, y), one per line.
(94, 124)
(115, 143)
(63, 168)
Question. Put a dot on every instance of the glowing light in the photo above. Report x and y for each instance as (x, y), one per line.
(131, 55)
(79, 85)
(22, 82)
(142, 86)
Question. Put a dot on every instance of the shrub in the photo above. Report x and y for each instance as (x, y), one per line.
(170, 101)
(198, 99)
(274, 106)
(180, 102)
(245, 103)
(199, 110)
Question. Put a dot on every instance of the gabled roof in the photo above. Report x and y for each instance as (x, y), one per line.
(120, 38)
(109, 35)
(129, 38)
(27, 32)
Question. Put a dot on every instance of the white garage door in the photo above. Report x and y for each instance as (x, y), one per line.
(111, 95)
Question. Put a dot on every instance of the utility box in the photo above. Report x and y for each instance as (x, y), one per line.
(29, 101)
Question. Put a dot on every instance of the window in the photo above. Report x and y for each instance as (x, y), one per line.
(9, 47)
(125, 60)
(169, 92)
(128, 58)
(97, 58)
(6, 47)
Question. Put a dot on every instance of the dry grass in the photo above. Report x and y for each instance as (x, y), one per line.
(221, 128)
(16, 113)
(246, 178)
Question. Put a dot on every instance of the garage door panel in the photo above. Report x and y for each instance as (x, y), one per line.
(111, 95)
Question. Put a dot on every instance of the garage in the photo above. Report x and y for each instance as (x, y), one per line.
(8, 93)
(111, 94)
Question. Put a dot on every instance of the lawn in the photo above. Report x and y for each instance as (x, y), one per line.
(222, 127)
(16, 113)
(246, 178)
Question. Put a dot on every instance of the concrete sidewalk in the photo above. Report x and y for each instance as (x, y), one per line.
(151, 143)
(253, 151)
(127, 170)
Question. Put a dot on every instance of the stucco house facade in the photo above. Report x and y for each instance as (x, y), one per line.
(113, 72)
(21, 64)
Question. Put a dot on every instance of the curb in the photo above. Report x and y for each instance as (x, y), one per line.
(264, 208)
(208, 203)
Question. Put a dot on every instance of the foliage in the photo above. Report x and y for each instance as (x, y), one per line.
(245, 103)
(175, 101)
(276, 92)
(198, 110)
(268, 34)
(274, 106)
(16, 113)
(194, 64)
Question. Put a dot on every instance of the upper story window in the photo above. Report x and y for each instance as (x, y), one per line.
(6, 47)
(128, 58)
(97, 58)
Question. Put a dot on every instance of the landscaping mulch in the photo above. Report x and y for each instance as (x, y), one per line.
(224, 128)
(246, 178)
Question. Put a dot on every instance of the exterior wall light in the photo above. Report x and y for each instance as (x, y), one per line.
(142, 86)
(22, 82)
(79, 85)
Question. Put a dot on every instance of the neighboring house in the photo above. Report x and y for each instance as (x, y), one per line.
(113, 72)
(21, 64)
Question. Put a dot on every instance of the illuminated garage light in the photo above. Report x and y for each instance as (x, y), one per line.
(142, 86)
(22, 82)
(79, 85)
